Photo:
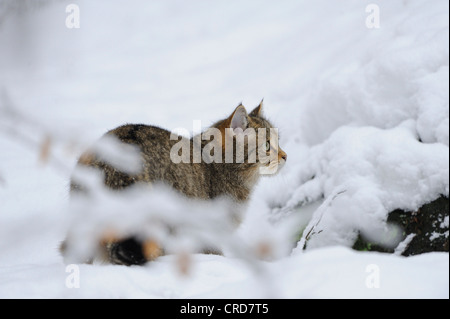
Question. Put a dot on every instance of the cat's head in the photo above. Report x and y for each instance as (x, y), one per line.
(250, 139)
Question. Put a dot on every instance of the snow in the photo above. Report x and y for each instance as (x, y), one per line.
(445, 222)
(389, 170)
(363, 115)
(322, 273)
(404, 244)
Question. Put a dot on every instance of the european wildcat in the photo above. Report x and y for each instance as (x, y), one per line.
(203, 179)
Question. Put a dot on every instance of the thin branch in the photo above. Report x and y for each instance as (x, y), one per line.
(16, 125)
(321, 212)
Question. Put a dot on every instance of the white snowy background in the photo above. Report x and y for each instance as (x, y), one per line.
(363, 115)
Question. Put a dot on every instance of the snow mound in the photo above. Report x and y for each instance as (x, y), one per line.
(371, 135)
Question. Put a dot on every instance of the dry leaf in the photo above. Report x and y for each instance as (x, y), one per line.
(184, 263)
(151, 250)
(264, 250)
(109, 236)
(44, 150)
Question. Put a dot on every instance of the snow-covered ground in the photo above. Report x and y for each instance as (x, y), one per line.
(363, 114)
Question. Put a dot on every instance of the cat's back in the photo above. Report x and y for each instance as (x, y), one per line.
(146, 137)
(150, 143)
(155, 146)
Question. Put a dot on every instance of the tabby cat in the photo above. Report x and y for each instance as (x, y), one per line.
(204, 179)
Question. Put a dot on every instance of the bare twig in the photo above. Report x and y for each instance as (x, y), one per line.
(322, 210)
(44, 150)
(45, 156)
(25, 130)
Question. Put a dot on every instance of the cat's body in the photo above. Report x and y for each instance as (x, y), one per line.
(200, 180)
(196, 180)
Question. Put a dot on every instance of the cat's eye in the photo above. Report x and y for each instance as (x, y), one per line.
(267, 146)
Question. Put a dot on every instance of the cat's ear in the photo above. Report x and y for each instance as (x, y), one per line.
(239, 119)
(258, 111)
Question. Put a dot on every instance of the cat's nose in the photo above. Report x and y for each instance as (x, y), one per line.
(284, 157)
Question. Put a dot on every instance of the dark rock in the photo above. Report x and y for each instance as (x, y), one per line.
(429, 226)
